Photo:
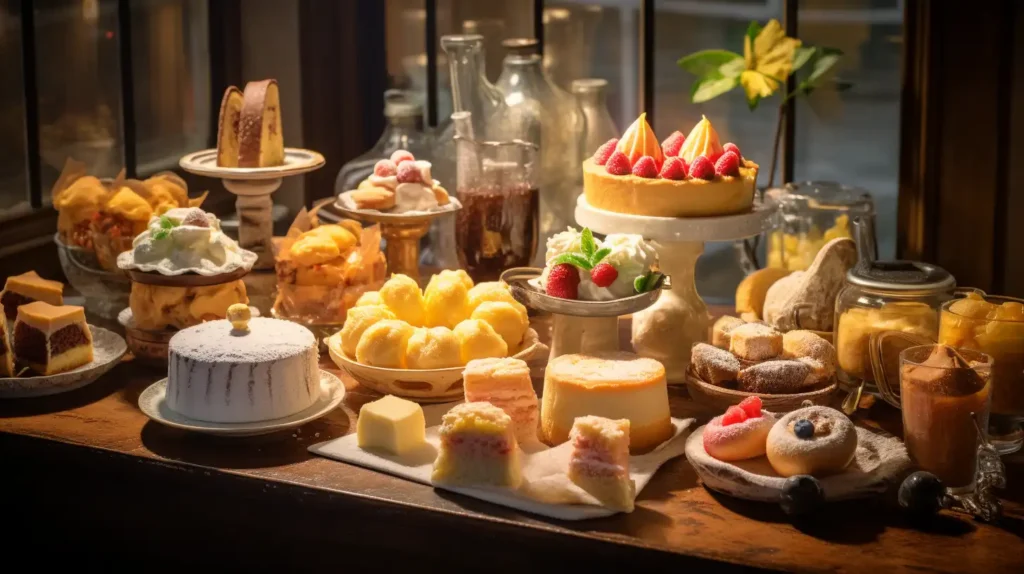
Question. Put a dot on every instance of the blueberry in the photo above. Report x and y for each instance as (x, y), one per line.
(803, 428)
(921, 493)
(801, 495)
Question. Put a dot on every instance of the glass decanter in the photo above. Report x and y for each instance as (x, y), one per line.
(591, 95)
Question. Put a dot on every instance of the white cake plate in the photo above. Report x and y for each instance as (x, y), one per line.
(153, 404)
(667, 329)
(107, 349)
(253, 186)
(578, 326)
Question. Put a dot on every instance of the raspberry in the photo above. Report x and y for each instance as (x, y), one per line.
(196, 218)
(732, 147)
(563, 281)
(409, 172)
(645, 167)
(702, 168)
(751, 406)
(401, 155)
(605, 151)
(603, 274)
(673, 143)
(728, 164)
(733, 415)
(618, 164)
(385, 168)
(674, 168)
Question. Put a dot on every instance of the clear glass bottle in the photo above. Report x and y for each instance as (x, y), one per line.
(545, 115)
(404, 130)
(591, 95)
(471, 91)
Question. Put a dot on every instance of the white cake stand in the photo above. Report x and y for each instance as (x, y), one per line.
(667, 329)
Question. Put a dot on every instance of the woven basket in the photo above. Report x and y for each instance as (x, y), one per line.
(722, 398)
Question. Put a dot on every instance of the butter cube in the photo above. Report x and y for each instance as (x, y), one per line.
(391, 424)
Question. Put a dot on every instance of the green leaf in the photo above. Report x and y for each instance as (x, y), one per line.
(167, 222)
(802, 55)
(733, 69)
(753, 30)
(655, 281)
(824, 61)
(601, 254)
(708, 62)
(162, 234)
(639, 283)
(572, 259)
(708, 88)
(587, 243)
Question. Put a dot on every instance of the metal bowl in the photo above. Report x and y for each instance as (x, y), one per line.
(517, 278)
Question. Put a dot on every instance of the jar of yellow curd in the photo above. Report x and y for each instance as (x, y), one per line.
(993, 325)
(881, 297)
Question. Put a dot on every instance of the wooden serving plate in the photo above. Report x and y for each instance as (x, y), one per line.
(185, 279)
(722, 398)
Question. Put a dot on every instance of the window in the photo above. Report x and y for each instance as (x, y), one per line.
(13, 184)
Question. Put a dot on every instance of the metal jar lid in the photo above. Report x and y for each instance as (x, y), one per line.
(901, 276)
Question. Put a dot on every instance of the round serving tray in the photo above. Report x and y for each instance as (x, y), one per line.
(722, 398)
(518, 279)
(347, 208)
(296, 161)
(184, 280)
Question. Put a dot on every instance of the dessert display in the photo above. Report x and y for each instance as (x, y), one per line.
(806, 299)
(249, 127)
(399, 184)
(599, 463)
(740, 433)
(50, 339)
(392, 425)
(27, 288)
(478, 448)
(814, 440)
(580, 266)
(506, 384)
(753, 290)
(691, 176)
(614, 385)
(6, 351)
(242, 370)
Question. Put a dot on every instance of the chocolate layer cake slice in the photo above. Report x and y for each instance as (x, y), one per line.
(49, 339)
(6, 355)
(26, 288)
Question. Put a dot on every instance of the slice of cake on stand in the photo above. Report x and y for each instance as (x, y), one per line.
(50, 339)
(478, 448)
(599, 463)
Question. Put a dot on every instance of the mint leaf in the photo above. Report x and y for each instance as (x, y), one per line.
(572, 259)
(640, 283)
(601, 254)
(162, 234)
(709, 88)
(587, 242)
(167, 222)
(707, 62)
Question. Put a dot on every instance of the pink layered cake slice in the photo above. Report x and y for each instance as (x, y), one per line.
(478, 448)
(599, 463)
(506, 384)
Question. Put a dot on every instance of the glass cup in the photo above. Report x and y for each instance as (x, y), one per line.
(995, 326)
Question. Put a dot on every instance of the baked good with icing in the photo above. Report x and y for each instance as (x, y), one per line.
(714, 365)
(815, 440)
(615, 385)
(773, 377)
(51, 339)
(807, 299)
(755, 342)
(721, 331)
(740, 433)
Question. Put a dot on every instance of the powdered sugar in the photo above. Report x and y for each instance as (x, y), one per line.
(832, 444)
(755, 342)
(774, 377)
(266, 340)
(714, 365)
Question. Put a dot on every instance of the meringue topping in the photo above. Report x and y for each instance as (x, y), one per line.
(703, 140)
(639, 140)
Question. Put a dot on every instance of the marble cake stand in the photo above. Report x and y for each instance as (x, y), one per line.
(667, 329)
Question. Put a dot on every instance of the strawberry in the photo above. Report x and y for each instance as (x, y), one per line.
(672, 144)
(702, 168)
(751, 406)
(385, 168)
(603, 274)
(618, 164)
(732, 147)
(645, 167)
(674, 168)
(401, 155)
(409, 172)
(605, 151)
(733, 414)
(728, 164)
(563, 281)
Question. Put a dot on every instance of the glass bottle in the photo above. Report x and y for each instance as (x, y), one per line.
(471, 91)
(404, 130)
(591, 96)
(544, 115)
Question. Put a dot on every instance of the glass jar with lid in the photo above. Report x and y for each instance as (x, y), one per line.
(881, 298)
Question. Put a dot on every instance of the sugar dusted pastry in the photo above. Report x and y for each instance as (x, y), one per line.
(391, 424)
(755, 342)
(383, 344)
(478, 448)
(740, 433)
(813, 440)
(774, 377)
(52, 339)
(358, 321)
(813, 351)
(599, 463)
(478, 340)
(433, 348)
(401, 294)
(27, 288)
(446, 301)
(506, 384)
(714, 365)
(722, 329)
(615, 385)
(506, 320)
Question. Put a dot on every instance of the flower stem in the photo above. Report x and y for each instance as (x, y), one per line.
(775, 146)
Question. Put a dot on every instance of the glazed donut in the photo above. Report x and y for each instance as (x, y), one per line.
(740, 433)
(721, 330)
(813, 440)
(810, 349)
(714, 365)
(773, 377)
(755, 342)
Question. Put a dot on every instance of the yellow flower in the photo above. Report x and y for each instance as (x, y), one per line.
(768, 61)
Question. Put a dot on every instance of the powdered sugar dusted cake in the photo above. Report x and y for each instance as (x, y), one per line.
(218, 373)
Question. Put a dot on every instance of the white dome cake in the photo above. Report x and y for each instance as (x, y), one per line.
(221, 374)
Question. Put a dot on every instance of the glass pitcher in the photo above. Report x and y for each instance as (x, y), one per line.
(497, 227)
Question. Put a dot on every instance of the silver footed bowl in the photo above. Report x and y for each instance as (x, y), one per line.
(517, 278)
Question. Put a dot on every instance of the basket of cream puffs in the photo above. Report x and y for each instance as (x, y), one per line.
(748, 359)
(414, 343)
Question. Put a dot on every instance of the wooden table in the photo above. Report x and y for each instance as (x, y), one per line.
(88, 476)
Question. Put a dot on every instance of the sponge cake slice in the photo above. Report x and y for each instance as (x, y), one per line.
(260, 141)
(227, 128)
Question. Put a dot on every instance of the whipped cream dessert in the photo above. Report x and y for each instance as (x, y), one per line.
(185, 240)
(606, 269)
(400, 184)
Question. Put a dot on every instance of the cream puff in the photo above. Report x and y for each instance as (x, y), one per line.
(813, 440)
(740, 433)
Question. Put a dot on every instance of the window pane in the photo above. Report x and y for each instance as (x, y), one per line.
(170, 64)
(78, 70)
(852, 136)
(13, 182)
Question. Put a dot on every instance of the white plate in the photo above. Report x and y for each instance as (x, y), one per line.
(296, 161)
(153, 404)
(108, 348)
